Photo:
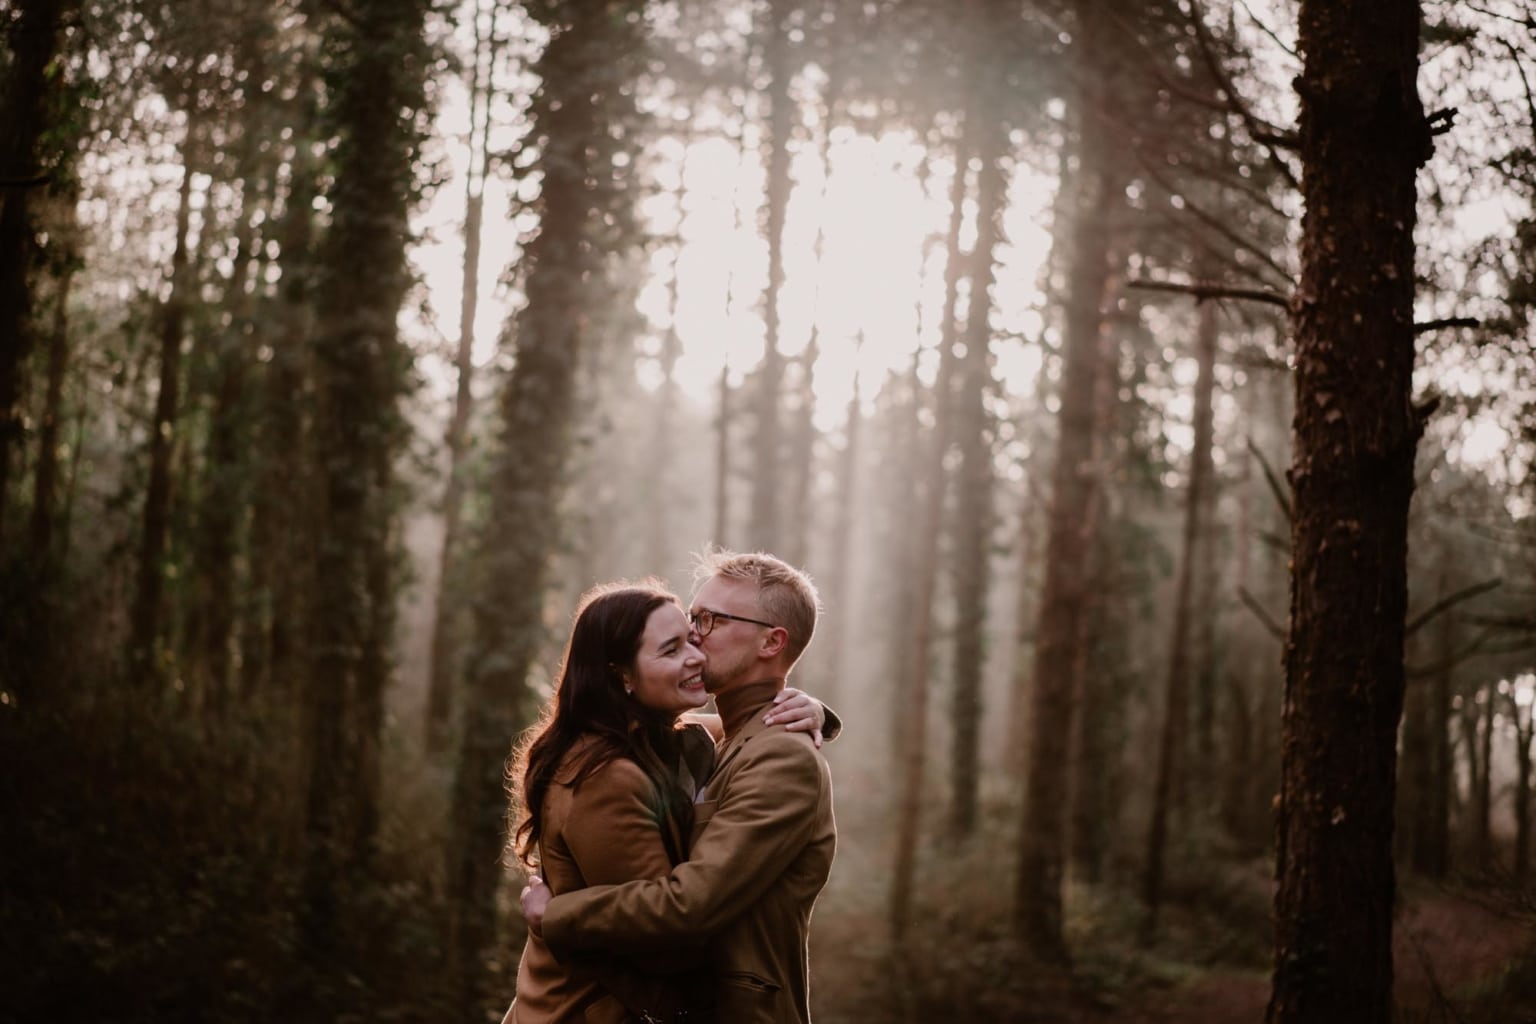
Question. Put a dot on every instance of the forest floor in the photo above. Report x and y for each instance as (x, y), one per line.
(1455, 956)
(1446, 946)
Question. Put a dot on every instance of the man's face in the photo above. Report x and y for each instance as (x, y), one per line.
(731, 648)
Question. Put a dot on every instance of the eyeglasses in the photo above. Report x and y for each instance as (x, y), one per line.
(703, 621)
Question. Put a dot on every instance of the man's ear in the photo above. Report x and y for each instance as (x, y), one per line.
(775, 642)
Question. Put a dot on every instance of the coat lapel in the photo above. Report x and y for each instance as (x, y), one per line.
(728, 752)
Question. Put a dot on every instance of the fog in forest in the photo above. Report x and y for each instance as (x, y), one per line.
(1148, 388)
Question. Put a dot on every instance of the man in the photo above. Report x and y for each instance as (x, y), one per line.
(763, 834)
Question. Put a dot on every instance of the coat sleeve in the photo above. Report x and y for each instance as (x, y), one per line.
(614, 832)
(761, 825)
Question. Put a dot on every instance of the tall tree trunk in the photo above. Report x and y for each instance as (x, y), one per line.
(1423, 719)
(45, 486)
(1096, 194)
(226, 469)
(1363, 135)
(972, 523)
(360, 367)
(723, 457)
(26, 105)
(271, 645)
(1483, 823)
(724, 407)
(1238, 789)
(579, 105)
(1437, 853)
(1098, 662)
(446, 606)
(1470, 718)
(1171, 746)
(144, 641)
(659, 533)
(1525, 725)
(837, 593)
(911, 747)
(766, 524)
(802, 456)
(1017, 760)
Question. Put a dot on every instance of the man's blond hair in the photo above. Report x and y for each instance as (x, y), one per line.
(787, 595)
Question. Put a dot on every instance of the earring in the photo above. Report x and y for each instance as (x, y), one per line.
(629, 690)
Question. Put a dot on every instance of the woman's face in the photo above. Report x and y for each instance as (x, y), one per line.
(668, 672)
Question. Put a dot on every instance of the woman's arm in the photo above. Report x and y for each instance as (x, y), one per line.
(795, 709)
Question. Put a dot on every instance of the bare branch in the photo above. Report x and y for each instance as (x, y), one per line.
(1474, 647)
(33, 182)
(1262, 27)
(1523, 22)
(1455, 321)
(1276, 541)
(1530, 97)
(1202, 292)
(1448, 602)
(1512, 623)
(1276, 486)
(1256, 128)
(1262, 615)
(1214, 223)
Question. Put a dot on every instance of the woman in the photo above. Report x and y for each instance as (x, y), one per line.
(606, 787)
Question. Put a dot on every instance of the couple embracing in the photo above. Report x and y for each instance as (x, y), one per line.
(679, 854)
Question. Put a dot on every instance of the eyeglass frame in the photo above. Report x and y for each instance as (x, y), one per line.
(695, 617)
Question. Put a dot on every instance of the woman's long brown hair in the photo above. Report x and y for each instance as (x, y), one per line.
(590, 700)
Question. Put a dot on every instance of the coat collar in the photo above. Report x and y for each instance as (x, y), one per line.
(741, 706)
(741, 712)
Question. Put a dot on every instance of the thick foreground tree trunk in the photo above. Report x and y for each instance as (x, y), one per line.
(1363, 136)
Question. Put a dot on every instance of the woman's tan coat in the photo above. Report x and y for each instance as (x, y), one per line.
(604, 831)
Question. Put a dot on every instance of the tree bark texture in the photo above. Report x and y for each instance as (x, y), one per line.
(1363, 135)
(582, 100)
